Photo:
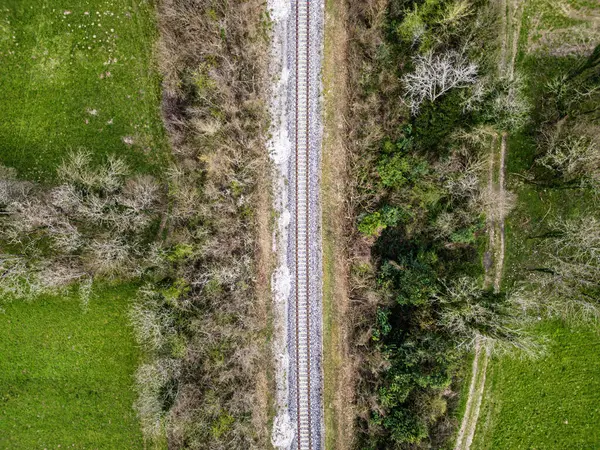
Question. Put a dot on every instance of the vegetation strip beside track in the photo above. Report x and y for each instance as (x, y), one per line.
(338, 360)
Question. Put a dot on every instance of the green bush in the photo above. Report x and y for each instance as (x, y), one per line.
(464, 235)
(406, 427)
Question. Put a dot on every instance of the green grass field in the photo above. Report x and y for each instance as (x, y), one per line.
(551, 403)
(66, 374)
(74, 74)
(78, 74)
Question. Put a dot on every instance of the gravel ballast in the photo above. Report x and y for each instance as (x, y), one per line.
(283, 151)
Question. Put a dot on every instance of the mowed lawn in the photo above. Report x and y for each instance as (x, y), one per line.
(74, 74)
(78, 74)
(551, 403)
(66, 374)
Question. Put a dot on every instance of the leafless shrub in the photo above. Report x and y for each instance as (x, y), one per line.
(66, 198)
(151, 380)
(26, 217)
(11, 189)
(576, 40)
(93, 223)
(55, 275)
(111, 175)
(462, 171)
(478, 136)
(66, 238)
(445, 224)
(140, 193)
(501, 203)
(184, 194)
(511, 108)
(434, 75)
(567, 96)
(153, 323)
(86, 290)
(473, 99)
(573, 155)
(26, 278)
(456, 11)
(110, 256)
(18, 280)
(78, 169)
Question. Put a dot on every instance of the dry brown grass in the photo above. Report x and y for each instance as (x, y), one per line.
(339, 363)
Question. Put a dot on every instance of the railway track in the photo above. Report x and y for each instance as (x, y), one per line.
(305, 439)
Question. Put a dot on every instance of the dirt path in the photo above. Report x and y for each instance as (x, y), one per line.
(500, 213)
(496, 212)
(475, 397)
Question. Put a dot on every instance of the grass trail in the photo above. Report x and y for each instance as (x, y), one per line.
(511, 11)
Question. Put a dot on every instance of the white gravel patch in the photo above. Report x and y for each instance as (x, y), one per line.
(280, 148)
(283, 431)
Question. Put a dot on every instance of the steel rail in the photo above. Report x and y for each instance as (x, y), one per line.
(302, 305)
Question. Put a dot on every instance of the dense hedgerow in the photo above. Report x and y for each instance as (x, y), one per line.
(419, 146)
(199, 316)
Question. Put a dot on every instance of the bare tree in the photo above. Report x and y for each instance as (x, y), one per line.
(568, 283)
(574, 156)
(110, 256)
(469, 312)
(434, 75)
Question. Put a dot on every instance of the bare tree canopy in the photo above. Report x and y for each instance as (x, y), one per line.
(93, 224)
(434, 75)
(568, 285)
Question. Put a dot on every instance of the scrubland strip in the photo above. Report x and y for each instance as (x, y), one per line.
(213, 58)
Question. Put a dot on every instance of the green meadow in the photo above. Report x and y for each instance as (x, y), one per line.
(78, 74)
(66, 373)
(550, 403)
(74, 74)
